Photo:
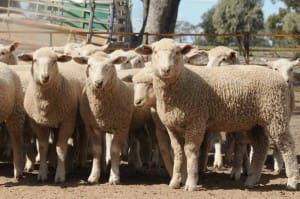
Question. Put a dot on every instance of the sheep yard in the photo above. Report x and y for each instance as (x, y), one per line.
(214, 184)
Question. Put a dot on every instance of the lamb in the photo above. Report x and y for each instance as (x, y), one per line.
(12, 113)
(144, 98)
(285, 68)
(100, 109)
(229, 98)
(83, 49)
(133, 60)
(217, 56)
(46, 110)
(7, 53)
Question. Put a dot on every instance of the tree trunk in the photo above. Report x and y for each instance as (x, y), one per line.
(162, 15)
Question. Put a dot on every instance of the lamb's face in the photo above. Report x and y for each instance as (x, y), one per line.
(72, 49)
(167, 57)
(101, 70)
(144, 95)
(284, 67)
(223, 57)
(7, 51)
(44, 65)
(137, 62)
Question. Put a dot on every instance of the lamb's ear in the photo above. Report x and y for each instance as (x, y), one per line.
(270, 64)
(296, 62)
(25, 57)
(81, 60)
(144, 50)
(232, 55)
(194, 55)
(119, 59)
(64, 58)
(185, 49)
(13, 46)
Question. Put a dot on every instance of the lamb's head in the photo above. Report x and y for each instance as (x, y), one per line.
(143, 88)
(137, 61)
(284, 67)
(6, 52)
(222, 55)
(100, 71)
(44, 67)
(166, 56)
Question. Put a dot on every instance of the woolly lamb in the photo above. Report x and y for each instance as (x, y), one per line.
(230, 98)
(103, 111)
(46, 110)
(7, 53)
(133, 60)
(12, 113)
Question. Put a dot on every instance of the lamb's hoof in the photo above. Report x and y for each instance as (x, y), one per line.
(174, 185)
(235, 174)
(291, 184)
(114, 181)
(59, 179)
(18, 177)
(251, 181)
(42, 177)
(93, 179)
(217, 164)
(18, 174)
(277, 171)
(29, 167)
(191, 188)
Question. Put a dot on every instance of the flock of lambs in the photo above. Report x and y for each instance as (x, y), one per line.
(72, 102)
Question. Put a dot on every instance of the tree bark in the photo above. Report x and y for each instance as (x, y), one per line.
(161, 18)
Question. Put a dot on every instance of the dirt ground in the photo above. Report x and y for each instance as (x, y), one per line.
(214, 184)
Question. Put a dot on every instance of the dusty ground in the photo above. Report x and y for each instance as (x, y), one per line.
(215, 184)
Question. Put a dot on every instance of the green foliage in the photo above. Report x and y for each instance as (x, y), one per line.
(291, 4)
(208, 27)
(238, 16)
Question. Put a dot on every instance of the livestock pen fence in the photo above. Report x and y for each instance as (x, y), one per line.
(258, 53)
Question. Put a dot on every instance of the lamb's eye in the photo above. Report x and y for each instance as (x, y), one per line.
(2, 53)
(276, 69)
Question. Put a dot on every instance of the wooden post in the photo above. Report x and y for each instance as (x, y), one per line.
(146, 37)
(91, 21)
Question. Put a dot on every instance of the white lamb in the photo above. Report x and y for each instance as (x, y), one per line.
(133, 60)
(12, 113)
(45, 108)
(229, 98)
(7, 53)
(106, 106)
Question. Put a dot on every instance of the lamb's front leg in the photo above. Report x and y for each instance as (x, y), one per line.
(177, 143)
(193, 140)
(96, 139)
(115, 150)
(65, 132)
(42, 134)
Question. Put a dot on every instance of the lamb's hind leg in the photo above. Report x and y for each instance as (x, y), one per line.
(15, 130)
(260, 143)
(286, 146)
(42, 134)
(65, 132)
